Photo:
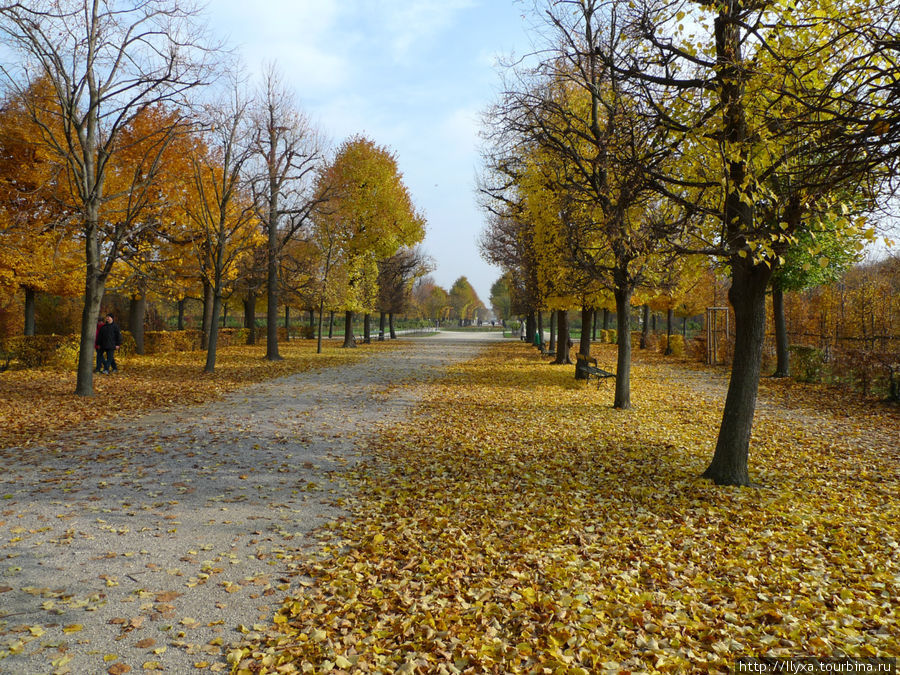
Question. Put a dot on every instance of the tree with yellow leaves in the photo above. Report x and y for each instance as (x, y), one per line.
(368, 215)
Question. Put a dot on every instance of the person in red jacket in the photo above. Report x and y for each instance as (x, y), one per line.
(109, 337)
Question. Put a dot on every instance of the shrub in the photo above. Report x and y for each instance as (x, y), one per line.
(677, 344)
(807, 363)
(166, 341)
(611, 335)
(306, 332)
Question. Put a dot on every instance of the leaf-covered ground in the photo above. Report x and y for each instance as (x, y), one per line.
(520, 525)
(37, 403)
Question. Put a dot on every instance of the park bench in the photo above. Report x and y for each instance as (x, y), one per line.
(586, 366)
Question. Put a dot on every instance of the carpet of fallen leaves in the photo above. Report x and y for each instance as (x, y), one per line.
(519, 524)
(37, 403)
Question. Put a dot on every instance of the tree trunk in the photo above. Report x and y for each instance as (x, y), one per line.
(29, 311)
(137, 309)
(312, 319)
(529, 328)
(250, 317)
(180, 304)
(207, 314)
(272, 275)
(587, 318)
(391, 325)
(213, 343)
(552, 346)
(562, 338)
(367, 328)
(748, 298)
(224, 315)
(330, 325)
(321, 319)
(670, 318)
(594, 325)
(684, 328)
(782, 349)
(287, 323)
(349, 339)
(622, 398)
(605, 319)
(382, 325)
(645, 325)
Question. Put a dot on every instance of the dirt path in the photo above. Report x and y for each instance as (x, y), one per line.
(153, 545)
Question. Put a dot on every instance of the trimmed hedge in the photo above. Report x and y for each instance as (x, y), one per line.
(677, 344)
(165, 341)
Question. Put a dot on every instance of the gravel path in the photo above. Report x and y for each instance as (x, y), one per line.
(153, 544)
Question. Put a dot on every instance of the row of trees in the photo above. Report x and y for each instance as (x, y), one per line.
(132, 158)
(649, 141)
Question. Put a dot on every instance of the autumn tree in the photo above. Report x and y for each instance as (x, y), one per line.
(396, 276)
(369, 215)
(465, 301)
(38, 253)
(219, 205)
(584, 124)
(287, 152)
(106, 63)
(746, 92)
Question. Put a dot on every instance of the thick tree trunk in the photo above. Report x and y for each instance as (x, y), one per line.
(207, 314)
(587, 318)
(349, 339)
(330, 325)
(670, 318)
(137, 310)
(622, 398)
(382, 324)
(594, 324)
(180, 305)
(782, 349)
(562, 337)
(391, 326)
(605, 319)
(367, 328)
(93, 295)
(748, 298)
(551, 348)
(530, 327)
(287, 323)
(645, 325)
(29, 311)
(250, 317)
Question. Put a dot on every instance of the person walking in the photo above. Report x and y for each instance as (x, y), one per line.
(100, 323)
(109, 337)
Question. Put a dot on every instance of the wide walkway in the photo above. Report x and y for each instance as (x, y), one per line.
(155, 544)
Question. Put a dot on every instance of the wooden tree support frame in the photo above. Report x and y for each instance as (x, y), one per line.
(715, 327)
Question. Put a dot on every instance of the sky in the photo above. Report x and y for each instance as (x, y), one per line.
(412, 75)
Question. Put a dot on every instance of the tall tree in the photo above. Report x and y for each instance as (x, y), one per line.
(746, 92)
(287, 151)
(219, 204)
(106, 62)
(369, 210)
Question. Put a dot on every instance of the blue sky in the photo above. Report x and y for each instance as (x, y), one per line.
(413, 75)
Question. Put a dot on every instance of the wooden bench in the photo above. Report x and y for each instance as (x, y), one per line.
(586, 366)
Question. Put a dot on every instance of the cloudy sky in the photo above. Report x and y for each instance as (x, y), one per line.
(413, 75)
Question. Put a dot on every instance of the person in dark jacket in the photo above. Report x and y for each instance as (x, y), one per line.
(109, 337)
(100, 323)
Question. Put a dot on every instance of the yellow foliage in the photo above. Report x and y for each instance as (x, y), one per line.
(524, 526)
